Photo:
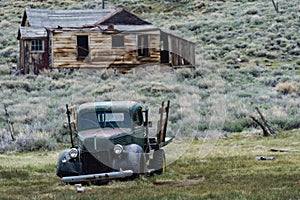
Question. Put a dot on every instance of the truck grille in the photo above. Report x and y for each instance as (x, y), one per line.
(120, 140)
(124, 140)
(97, 162)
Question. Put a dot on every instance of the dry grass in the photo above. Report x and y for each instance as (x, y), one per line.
(285, 88)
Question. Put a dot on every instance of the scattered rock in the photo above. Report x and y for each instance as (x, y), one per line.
(79, 188)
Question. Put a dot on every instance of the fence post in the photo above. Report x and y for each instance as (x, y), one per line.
(10, 124)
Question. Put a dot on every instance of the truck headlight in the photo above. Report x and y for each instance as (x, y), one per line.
(118, 149)
(73, 153)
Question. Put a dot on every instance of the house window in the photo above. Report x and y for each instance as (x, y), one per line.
(82, 46)
(117, 41)
(143, 49)
(37, 45)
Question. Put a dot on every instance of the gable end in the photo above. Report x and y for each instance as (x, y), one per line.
(123, 17)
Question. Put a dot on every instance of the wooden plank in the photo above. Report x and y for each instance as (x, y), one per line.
(64, 38)
(126, 63)
(107, 59)
(63, 46)
(101, 51)
(65, 59)
(79, 65)
(64, 50)
(65, 43)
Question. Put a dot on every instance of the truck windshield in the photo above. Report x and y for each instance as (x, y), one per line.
(104, 119)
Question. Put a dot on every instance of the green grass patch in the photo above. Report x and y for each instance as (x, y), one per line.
(229, 171)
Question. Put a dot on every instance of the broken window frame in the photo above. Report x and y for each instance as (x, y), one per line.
(82, 46)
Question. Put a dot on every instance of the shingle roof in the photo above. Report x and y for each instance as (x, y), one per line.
(40, 19)
(63, 18)
(28, 32)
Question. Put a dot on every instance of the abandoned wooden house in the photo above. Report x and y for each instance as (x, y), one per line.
(105, 38)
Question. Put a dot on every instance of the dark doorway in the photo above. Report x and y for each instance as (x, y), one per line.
(164, 53)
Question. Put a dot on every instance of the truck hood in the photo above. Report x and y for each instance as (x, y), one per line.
(101, 139)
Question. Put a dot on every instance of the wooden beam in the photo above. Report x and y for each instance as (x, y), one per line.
(271, 131)
(265, 131)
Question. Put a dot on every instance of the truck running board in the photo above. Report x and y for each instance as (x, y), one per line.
(95, 177)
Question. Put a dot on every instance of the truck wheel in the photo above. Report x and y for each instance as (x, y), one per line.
(159, 161)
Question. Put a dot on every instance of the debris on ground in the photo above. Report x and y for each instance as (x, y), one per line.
(259, 158)
(79, 188)
(284, 150)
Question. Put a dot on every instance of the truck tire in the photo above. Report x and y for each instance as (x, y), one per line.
(159, 161)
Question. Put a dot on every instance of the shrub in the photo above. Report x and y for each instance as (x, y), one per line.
(4, 70)
(35, 141)
(252, 11)
(271, 55)
(297, 88)
(261, 53)
(16, 85)
(184, 74)
(237, 125)
(293, 123)
(6, 143)
(56, 85)
(295, 52)
(104, 89)
(26, 142)
(4, 24)
(7, 52)
(268, 81)
(285, 88)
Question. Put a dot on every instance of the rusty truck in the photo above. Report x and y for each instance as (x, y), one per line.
(111, 140)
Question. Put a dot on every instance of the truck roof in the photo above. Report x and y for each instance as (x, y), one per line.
(109, 106)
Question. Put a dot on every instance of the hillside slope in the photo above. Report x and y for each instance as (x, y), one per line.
(247, 56)
(233, 32)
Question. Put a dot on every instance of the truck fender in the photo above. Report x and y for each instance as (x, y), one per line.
(135, 158)
(65, 167)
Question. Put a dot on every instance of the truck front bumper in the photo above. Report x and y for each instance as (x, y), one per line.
(95, 177)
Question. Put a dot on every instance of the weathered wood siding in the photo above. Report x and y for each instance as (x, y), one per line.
(101, 52)
(181, 51)
(32, 62)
